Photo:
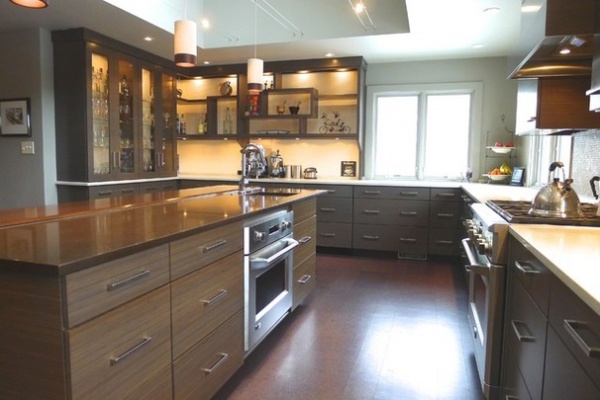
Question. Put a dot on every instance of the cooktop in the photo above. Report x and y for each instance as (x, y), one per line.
(517, 212)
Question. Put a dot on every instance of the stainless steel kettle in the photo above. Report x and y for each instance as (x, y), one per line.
(557, 198)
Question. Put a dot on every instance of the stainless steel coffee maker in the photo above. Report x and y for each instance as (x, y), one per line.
(276, 169)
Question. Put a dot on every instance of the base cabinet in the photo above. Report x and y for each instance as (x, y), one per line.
(305, 232)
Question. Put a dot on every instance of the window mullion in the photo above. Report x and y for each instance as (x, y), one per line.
(421, 136)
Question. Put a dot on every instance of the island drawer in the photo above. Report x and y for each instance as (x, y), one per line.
(95, 290)
(204, 299)
(304, 209)
(306, 233)
(305, 278)
(116, 354)
(194, 252)
(202, 370)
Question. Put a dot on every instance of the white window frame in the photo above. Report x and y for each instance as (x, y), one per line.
(375, 91)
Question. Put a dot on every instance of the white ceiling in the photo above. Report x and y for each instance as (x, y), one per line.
(402, 30)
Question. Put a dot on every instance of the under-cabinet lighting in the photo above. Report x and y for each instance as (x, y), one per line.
(565, 51)
(148, 38)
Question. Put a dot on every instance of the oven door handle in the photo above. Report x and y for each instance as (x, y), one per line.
(474, 266)
(260, 263)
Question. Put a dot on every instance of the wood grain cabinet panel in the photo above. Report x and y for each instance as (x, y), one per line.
(305, 280)
(304, 209)
(194, 252)
(93, 291)
(203, 369)
(204, 299)
(114, 355)
(305, 233)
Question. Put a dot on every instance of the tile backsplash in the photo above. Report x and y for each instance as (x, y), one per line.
(585, 161)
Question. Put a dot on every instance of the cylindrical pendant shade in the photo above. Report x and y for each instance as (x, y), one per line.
(185, 43)
(31, 3)
(255, 74)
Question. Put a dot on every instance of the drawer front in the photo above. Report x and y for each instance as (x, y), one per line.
(513, 386)
(443, 242)
(444, 214)
(194, 252)
(99, 192)
(114, 354)
(202, 370)
(305, 279)
(412, 240)
(390, 192)
(391, 212)
(534, 276)
(565, 378)
(446, 194)
(578, 326)
(334, 234)
(334, 209)
(204, 299)
(306, 234)
(95, 290)
(332, 190)
(526, 331)
(304, 209)
(375, 237)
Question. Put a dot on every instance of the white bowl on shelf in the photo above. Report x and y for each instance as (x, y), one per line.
(500, 150)
(498, 177)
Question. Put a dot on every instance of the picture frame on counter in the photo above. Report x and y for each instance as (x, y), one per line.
(15, 118)
(348, 168)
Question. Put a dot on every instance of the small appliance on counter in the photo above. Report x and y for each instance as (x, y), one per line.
(276, 168)
(310, 173)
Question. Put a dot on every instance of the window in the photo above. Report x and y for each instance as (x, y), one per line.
(543, 151)
(421, 132)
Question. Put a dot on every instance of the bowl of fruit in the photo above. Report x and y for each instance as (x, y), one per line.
(501, 173)
(502, 148)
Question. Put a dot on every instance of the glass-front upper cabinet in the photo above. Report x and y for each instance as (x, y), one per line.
(101, 154)
(148, 121)
(125, 155)
(168, 145)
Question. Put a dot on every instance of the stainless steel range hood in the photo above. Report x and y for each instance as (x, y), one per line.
(557, 25)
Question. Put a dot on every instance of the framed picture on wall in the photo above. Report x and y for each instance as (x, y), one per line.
(14, 117)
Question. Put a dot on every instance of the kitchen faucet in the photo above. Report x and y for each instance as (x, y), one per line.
(259, 163)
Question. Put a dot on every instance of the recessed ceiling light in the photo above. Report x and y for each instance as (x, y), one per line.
(205, 23)
(477, 45)
(329, 54)
(359, 7)
(148, 38)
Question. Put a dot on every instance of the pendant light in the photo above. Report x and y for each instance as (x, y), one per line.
(31, 3)
(185, 48)
(255, 65)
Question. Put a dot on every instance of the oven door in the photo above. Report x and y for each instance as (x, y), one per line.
(268, 289)
(486, 309)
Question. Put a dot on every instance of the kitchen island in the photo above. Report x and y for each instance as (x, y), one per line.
(93, 303)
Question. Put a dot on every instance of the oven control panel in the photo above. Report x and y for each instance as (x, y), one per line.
(265, 230)
(488, 233)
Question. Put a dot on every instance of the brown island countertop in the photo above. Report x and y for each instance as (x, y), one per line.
(80, 235)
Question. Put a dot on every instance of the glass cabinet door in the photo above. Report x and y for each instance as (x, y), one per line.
(169, 109)
(126, 153)
(100, 116)
(148, 110)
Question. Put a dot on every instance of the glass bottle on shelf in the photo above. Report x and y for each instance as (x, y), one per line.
(126, 153)
(201, 125)
(227, 123)
(148, 134)
(100, 116)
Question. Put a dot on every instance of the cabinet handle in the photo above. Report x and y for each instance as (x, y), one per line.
(371, 191)
(305, 239)
(327, 209)
(446, 194)
(526, 268)
(213, 246)
(105, 193)
(408, 240)
(370, 237)
(118, 359)
(331, 190)
(411, 194)
(521, 337)
(444, 215)
(304, 279)
(571, 327)
(371, 212)
(124, 191)
(222, 358)
(222, 293)
(444, 242)
(509, 397)
(123, 282)
(531, 119)
(408, 213)
(326, 234)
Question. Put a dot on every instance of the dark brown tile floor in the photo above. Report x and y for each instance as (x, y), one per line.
(373, 329)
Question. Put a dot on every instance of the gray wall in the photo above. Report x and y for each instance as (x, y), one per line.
(26, 71)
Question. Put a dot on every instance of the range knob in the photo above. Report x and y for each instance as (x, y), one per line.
(286, 225)
(482, 246)
(259, 236)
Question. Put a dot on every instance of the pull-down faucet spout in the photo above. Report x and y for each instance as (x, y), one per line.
(259, 161)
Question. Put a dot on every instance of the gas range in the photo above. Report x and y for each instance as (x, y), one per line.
(516, 212)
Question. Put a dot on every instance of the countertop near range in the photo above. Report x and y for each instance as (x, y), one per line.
(572, 253)
(70, 243)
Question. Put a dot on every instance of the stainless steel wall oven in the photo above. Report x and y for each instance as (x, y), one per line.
(268, 266)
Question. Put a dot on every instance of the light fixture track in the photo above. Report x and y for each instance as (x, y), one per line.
(362, 10)
(279, 18)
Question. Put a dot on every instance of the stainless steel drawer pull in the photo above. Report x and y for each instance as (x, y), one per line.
(412, 194)
(304, 279)
(327, 209)
(222, 358)
(370, 237)
(222, 293)
(520, 336)
(326, 234)
(118, 359)
(371, 191)
(123, 282)
(444, 242)
(331, 190)
(509, 397)
(408, 213)
(127, 190)
(408, 240)
(213, 246)
(444, 215)
(105, 193)
(526, 268)
(446, 194)
(305, 239)
(571, 327)
(372, 212)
